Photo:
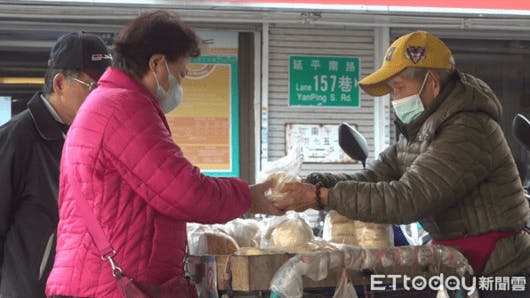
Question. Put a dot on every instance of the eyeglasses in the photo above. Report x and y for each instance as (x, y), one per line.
(91, 86)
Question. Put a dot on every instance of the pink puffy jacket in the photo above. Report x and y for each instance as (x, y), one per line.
(119, 156)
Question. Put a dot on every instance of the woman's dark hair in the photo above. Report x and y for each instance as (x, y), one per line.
(158, 32)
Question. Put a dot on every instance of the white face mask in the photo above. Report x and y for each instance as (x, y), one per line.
(172, 98)
(410, 107)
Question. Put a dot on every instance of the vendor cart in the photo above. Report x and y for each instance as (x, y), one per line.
(317, 274)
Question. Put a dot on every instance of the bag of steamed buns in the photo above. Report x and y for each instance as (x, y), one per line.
(209, 240)
(281, 171)
(287, 233)
(342, 230)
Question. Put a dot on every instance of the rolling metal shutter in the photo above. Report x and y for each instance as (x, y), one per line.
(285, 40)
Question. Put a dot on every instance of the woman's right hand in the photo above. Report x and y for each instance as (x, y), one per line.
(261, 204)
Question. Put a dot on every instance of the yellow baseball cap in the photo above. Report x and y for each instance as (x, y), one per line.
(416, 49)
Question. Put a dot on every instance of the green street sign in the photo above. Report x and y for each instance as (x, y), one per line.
(324, 81)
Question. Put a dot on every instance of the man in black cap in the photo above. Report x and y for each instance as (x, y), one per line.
(30, 150)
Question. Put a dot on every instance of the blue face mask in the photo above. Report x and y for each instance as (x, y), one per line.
(410, 107)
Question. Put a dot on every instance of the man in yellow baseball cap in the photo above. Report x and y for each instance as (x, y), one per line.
(451, 169)
(408, 63)
(418, 49)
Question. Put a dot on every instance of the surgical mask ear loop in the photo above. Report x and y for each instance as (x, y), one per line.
(423, 84)
(167, 68)
(158, 86)
(156, 79)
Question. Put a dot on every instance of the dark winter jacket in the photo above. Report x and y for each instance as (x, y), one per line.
(30, 150)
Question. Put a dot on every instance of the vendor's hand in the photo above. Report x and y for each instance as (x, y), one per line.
(301, 196)
(259, 203)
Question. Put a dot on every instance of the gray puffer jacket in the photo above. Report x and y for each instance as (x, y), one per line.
(452, 171)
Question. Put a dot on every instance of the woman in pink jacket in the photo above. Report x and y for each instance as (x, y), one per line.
(121, 165)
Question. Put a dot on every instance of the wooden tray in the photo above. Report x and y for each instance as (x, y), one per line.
(254, 273)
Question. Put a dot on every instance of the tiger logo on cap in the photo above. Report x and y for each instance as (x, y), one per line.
(415, 54)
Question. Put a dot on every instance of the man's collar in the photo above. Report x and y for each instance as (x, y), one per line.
(48, 128)
(52, 110)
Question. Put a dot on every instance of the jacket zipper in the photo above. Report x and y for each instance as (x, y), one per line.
(46, 255)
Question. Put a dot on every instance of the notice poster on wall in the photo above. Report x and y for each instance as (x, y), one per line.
(5, 109)
(206, 124)
(319, 142)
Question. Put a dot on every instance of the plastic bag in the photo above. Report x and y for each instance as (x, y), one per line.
(253, 251)
(374, 235)
(339, 229)
(287, 281)
(345, 288)
(210, 240)
(282, 170)
(342, 230)
(286, 232)
(442, 293)
(246, 232)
